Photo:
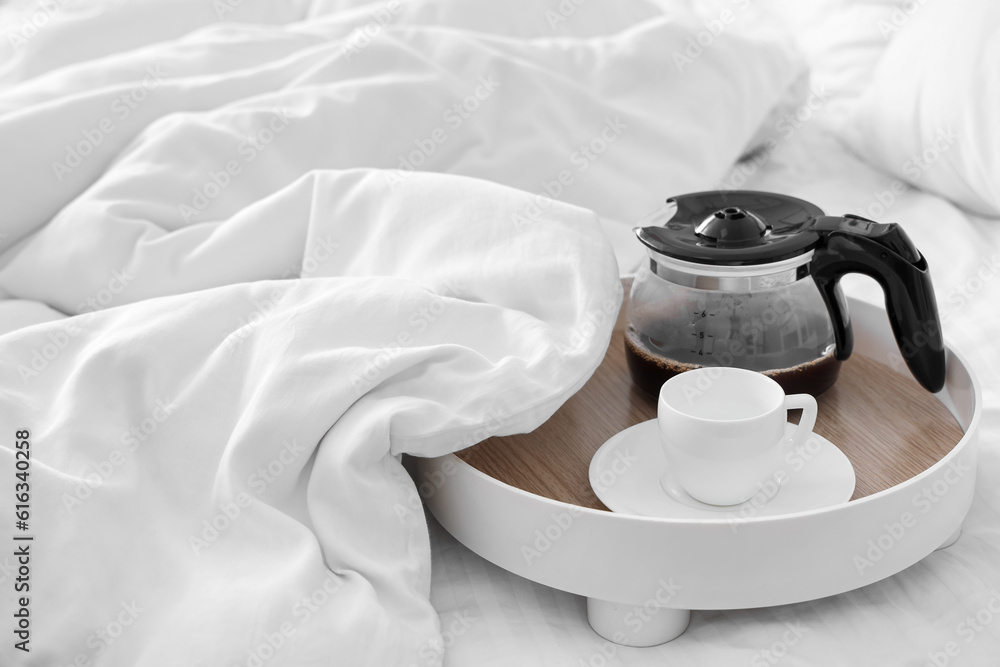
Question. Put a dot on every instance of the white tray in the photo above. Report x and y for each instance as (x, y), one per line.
(667, 567)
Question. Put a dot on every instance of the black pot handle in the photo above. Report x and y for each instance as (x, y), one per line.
(883, 251)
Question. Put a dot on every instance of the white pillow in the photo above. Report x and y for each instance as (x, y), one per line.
(843, 40)
(931, 116)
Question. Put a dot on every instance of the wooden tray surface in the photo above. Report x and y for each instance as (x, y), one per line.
(889, 427)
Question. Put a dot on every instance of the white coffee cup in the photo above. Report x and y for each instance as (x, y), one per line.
(723, 431)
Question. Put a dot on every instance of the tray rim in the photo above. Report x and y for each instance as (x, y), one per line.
(968, 433)
(462, 504)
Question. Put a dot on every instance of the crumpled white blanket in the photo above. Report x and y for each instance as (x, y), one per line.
(218, 472)
(234, 293)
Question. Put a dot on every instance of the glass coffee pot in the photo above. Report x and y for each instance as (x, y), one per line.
(752, 280)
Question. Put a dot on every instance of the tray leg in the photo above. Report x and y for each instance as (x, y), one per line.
(636, 626)
(952, 539)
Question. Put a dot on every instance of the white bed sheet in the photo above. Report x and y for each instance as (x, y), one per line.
(490, 617)
(497, 618)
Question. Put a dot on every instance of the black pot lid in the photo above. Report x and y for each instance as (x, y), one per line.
(735, 228)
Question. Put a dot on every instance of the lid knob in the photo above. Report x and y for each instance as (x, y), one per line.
(731, 225)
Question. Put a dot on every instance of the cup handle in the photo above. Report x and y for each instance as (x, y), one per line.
(807, 404)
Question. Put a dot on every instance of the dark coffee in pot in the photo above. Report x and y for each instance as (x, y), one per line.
(650, 370)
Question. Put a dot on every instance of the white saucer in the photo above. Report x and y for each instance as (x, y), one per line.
(629, 473)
